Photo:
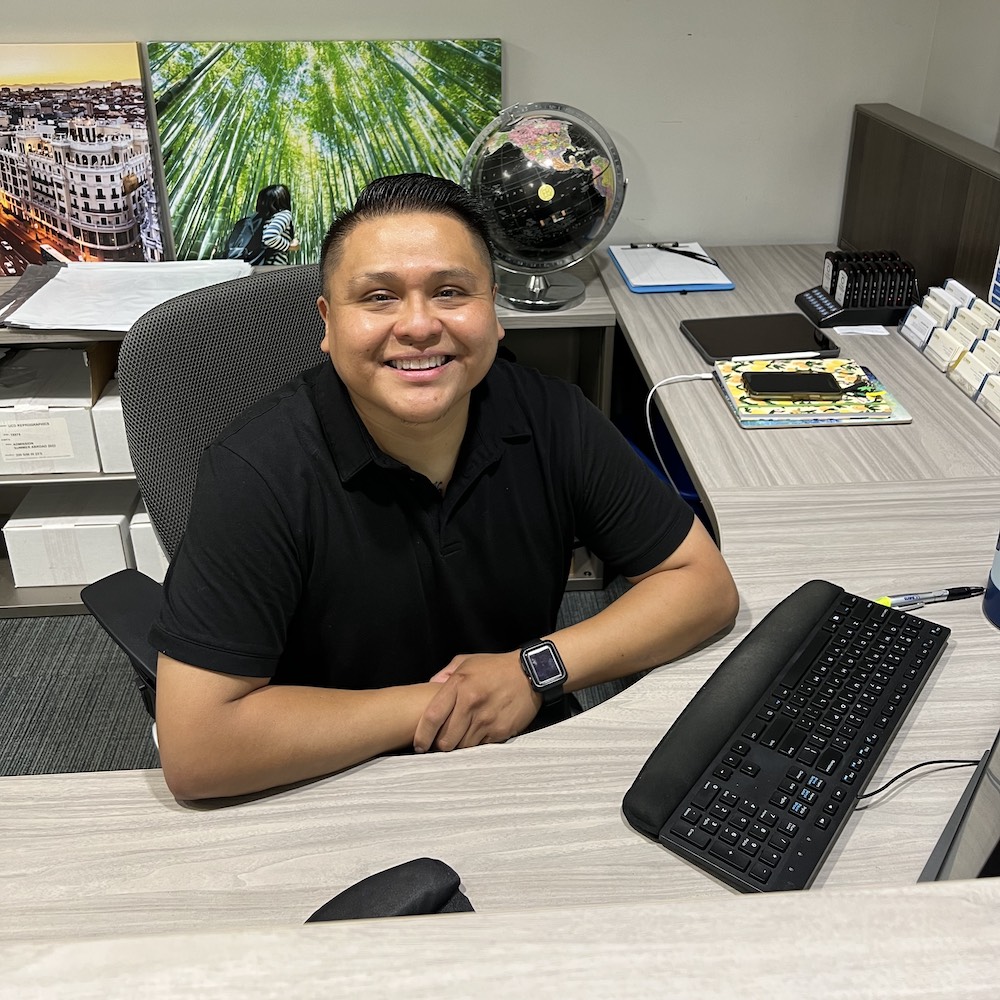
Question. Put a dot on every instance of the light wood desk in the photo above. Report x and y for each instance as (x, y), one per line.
(536, 823)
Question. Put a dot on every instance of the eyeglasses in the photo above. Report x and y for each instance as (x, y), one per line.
(677, 249)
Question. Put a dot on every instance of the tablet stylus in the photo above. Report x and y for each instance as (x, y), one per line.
(775, 357)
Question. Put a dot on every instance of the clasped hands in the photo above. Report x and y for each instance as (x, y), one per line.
(483, 698)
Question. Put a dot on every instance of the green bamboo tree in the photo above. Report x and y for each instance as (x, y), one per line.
(323, 118)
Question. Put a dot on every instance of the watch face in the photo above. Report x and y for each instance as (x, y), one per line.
(544, 665)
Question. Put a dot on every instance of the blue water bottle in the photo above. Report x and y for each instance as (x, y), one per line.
(991, 599)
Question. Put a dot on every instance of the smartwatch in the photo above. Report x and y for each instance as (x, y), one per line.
(545, 670)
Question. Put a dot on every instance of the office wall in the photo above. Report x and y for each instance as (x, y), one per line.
(963, 74)
(732, 117)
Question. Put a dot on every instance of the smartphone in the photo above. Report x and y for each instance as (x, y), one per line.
(791, 385)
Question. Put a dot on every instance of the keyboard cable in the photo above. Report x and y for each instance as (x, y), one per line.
(947, 766)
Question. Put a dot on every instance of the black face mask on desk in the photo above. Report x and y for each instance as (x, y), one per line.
(423, 885)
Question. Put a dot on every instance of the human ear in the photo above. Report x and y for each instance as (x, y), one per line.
(324, 311)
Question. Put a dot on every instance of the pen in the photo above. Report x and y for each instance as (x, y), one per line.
(775, 357)
(931, 597)
(682, 250)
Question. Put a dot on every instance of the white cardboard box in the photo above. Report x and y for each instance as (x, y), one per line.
(45, 401)
(70, 534)
(150, 558)
(109, 426)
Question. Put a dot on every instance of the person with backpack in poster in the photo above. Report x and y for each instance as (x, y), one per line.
(274, 205)
(266, 236)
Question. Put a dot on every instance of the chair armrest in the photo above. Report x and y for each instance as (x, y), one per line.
(125, 605)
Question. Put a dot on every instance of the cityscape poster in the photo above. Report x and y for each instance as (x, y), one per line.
(76, 173)
(319, 118)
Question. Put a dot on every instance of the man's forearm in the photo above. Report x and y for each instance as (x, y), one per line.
(276, 734)
(658, 619)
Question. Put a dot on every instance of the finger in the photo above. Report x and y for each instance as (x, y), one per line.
(434, 717)
(456, 731)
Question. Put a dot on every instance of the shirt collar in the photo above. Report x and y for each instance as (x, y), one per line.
(495, 419)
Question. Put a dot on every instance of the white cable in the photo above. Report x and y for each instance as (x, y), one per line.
(649, 420)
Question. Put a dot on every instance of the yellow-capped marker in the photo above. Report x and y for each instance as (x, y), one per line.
(546, 192)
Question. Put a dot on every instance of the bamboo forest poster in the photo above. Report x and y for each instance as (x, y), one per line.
(320, 118)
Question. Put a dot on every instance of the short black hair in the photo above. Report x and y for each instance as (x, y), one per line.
(273, 199)
(397, 194)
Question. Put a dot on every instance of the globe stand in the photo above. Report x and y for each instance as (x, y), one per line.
(538, 292)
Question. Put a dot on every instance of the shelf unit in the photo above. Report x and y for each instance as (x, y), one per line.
(576, 344)
(25, 602)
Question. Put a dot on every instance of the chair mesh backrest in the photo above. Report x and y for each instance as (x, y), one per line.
(189, 366)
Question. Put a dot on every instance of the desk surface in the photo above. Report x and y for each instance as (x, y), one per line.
(537, 822)
(949, 439)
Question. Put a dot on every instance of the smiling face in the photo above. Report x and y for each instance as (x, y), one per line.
(410, 320)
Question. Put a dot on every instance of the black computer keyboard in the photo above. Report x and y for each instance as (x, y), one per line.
(755, 780)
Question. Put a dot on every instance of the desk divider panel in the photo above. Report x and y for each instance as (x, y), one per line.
(925, 191)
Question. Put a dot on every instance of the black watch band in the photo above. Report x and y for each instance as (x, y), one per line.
(545, 670)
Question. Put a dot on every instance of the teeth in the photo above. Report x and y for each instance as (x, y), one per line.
(418, 364)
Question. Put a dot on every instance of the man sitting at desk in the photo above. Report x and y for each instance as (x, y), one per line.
(371, 547)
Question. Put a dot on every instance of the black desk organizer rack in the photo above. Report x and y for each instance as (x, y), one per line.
(823, 309)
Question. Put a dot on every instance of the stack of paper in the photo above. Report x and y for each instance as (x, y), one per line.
(870, 403)
(112, 296)
(668, 267)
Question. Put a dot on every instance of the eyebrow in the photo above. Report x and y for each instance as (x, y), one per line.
(390, 277)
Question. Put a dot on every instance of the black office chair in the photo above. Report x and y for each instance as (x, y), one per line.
(186, 369)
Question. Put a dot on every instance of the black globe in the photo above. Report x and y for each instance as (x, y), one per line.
(538, 212)
(551, 186)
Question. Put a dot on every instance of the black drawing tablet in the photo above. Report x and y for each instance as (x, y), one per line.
(724, 337)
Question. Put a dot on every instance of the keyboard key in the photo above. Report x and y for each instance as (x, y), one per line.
(775, 731)
(828, 761)
(690, 835)
(779, 841)
(730, 855)
(702, 799)
(789, 744)
(760, 872)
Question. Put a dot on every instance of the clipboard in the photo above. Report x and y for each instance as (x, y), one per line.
(668, 267)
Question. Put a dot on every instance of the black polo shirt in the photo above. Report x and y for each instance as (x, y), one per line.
(314, 558)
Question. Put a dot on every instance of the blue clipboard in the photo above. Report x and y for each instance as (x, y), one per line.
(648, 268)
